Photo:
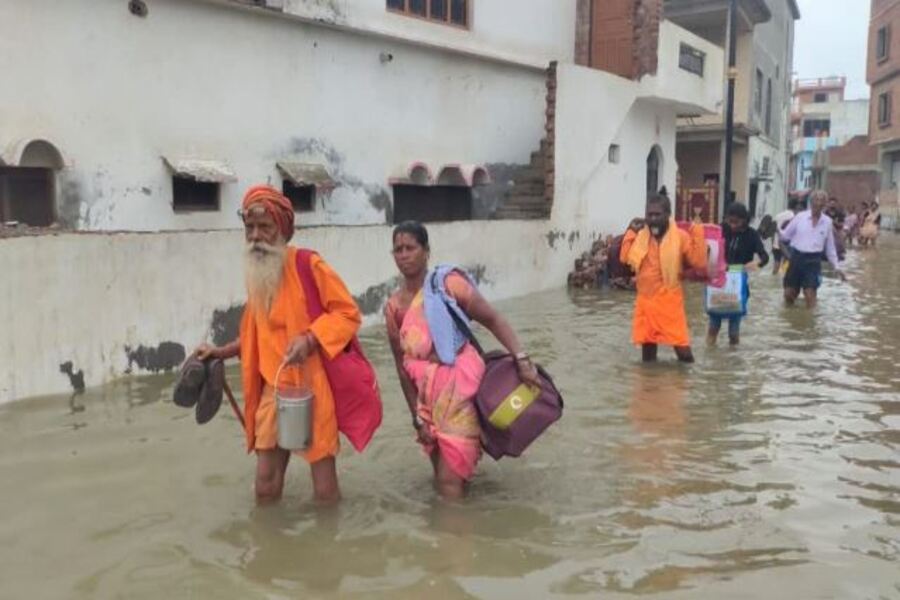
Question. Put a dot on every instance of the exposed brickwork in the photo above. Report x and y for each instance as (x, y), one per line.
(549, 149)
(583, 33)
(531, 194)
(853, 187)
(854, 153)
(853, 172)
(647, 15)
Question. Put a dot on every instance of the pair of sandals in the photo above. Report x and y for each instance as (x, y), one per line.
(200, 385)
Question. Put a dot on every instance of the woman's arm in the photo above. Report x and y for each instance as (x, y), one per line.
(406, 384)
(480, 310)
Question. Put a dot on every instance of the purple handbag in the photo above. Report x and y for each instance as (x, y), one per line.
(511, 415)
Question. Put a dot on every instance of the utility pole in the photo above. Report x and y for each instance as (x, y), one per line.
(729, 107)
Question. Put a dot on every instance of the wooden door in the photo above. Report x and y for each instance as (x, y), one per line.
(612, 37)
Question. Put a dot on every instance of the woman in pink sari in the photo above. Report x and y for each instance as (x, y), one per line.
(440, 389)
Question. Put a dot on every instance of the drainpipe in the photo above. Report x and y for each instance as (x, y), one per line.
(729, 108)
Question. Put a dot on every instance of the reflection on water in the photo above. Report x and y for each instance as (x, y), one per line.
(771, 471)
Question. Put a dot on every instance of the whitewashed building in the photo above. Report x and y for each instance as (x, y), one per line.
(519, 129)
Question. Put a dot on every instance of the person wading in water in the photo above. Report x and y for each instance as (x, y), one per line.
(657, 251)
(745, 249)
(440, 370)
(810, 234)
(276, 330)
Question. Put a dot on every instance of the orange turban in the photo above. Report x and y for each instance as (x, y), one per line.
(275, 204)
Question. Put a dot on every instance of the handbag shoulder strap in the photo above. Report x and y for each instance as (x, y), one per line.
(310, 289)
(462, 325)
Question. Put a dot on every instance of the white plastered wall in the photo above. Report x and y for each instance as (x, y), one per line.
(594, 111)
(530, 32)
(86, 298)
(194, 79)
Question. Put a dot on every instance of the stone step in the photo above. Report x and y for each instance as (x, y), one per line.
(535, 188)
(530, 174)
(523, 216)
(525, 200)
(545, 144)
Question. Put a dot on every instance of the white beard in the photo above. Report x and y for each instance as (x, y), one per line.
(263, 268)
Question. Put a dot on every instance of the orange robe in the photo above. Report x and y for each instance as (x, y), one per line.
(659, 316)
(264, 339)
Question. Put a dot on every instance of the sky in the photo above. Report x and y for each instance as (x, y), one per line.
(831, 39)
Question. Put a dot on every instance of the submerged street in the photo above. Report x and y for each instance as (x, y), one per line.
(768, 471)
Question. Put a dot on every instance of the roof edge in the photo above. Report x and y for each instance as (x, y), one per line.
(795, 9)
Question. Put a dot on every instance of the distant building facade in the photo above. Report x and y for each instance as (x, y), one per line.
(821, 118)
(760, 172)
(883, 76)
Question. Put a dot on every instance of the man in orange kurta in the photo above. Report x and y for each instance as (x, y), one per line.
(276, 332)
(657, 251)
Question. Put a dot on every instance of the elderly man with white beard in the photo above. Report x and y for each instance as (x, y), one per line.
(276, 330)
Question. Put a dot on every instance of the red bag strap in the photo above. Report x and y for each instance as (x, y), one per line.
(310, 289)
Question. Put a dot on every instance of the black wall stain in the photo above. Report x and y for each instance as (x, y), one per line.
(379, 195)
(76, 378)
(71, 197)
(374, 298)
(165, 357)
(226, 324)
(574, 237)
(478, 273)
(381, 201)
(553, 237)
(146, 191)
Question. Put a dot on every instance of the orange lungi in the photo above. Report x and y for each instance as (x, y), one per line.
(659, 316)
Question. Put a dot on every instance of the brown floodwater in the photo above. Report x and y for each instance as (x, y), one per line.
(772, 471)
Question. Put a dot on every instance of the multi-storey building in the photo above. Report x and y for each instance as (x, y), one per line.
(883, 75)
(532, 125)
(821, 118)
(764, 59)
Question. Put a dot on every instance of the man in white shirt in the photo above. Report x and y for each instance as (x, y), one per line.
(779, 251)
(810, 234)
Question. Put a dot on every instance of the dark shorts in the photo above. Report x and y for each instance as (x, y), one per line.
(777, 254)
(804, 272)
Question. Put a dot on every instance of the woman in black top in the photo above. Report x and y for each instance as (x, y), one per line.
(742, 247)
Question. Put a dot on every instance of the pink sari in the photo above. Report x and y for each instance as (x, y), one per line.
(446, 393)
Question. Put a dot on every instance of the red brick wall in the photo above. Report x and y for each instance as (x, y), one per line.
(645, 18)
(855, 152)
(853, 187)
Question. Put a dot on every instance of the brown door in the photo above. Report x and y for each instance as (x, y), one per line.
(612, 37)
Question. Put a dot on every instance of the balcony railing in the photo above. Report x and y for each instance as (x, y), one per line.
(820, 83)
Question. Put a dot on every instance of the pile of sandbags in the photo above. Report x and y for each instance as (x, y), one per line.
(600, 267)
(590, 267)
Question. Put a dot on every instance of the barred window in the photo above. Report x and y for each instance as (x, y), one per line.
(690, 59)
(448, 12)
